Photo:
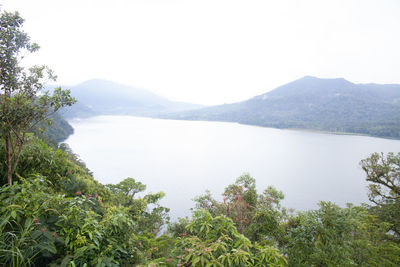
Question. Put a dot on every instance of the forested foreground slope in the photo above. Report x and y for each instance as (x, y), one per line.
(333, 105)
(56, 214)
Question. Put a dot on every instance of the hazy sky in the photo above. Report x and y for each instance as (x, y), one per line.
(212, 51)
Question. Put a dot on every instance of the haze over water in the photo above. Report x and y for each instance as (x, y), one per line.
(184, 158)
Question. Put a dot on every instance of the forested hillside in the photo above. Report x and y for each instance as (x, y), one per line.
(333, 105)
(54, 132)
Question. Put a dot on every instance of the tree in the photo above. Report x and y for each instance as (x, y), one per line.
(23, 104)
(384, 174)
(126, 190)
(257, 216)
(146, 211)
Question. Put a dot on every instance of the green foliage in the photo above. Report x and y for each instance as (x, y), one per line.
(383, 173)
(330, 236)
(125, 191)
(215, 241)
(59, 168)
(40, 227)
(179, 227)
(74, 158)
(95, 235)
(257, 216)
(22, 104)
(333, 236)
(62, 216)
(149, 220)
(23, 238)
(56, 131)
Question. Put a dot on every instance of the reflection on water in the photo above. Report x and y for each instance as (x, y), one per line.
(184, 158)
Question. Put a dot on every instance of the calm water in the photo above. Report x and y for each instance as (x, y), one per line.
(184, 158)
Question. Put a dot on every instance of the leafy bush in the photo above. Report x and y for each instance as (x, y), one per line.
(24, 234)
(334, 236)
(257, 216)
(43, 227)
(215, 241)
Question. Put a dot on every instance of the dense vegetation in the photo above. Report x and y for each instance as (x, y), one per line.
(54, 213)
(57, 131)
(24, 105)
(333, 105)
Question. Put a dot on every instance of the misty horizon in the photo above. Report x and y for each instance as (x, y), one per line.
(213, 52)
(67, 86)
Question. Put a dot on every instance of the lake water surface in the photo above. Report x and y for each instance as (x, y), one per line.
(184, 158)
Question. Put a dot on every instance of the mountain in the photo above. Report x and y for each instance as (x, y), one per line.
(101, 97)
(334, 105)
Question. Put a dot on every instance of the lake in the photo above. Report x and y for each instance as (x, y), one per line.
(185, 158)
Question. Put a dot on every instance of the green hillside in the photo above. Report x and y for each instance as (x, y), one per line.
(333, 105)
(57, 131)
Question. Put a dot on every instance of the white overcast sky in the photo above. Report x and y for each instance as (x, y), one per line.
(214, 51)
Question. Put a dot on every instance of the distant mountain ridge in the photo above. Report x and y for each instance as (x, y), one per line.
(102, 97)
(334, 105)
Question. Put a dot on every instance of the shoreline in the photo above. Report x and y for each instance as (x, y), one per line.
(247, 124)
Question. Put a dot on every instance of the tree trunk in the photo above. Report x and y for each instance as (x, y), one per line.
(9, 167)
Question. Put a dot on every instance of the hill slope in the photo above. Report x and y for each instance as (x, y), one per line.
(334, 105)
(101, 97)
(57, 131)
